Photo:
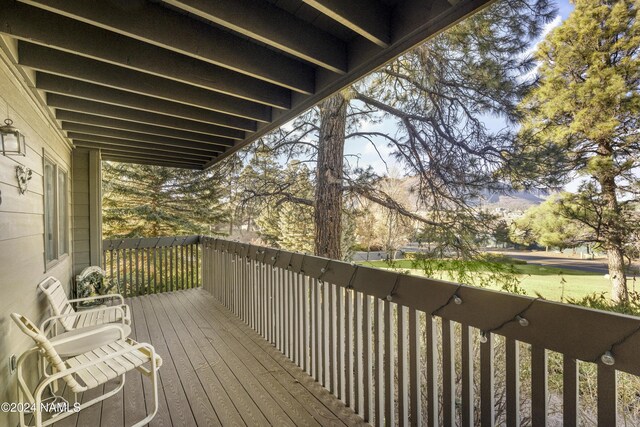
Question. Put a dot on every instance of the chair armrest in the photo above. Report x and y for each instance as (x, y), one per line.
(98, 297)
(63, 316)
(102, 328)
(138, 346)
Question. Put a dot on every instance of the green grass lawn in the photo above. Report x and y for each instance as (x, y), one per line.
(534, 279)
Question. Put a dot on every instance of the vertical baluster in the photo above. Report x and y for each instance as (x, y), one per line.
(432, 371)
(403, 374)
(157, 276)
(278, 284)
(186, 267)
(111, 263)
(340, 344)
(255, 296)
(246, 290)
(124, 289)
(137, 257)
(607, 395)
(297, 307)
(125, 277)
(141, 254)
(167, 269)
(300, 315)
(272, 311)
(242, 287)
(539, 394)
(331, 315)
(448, 374)
(170, 249)
(325, 335)
(487, 406)
(389, 362)
(182, 272)
(274, 305)
(193, 264)
(357, 332)
(348, 348)
(366, 352)
(315, 325)
(379, 352)
(148, 252)
(306, 317)
(287, 312)
(415, 391)
(291, 310)
(266, 306)
(264, 298)
(467, 377)
(131, 272)
(512, 351)
(198, 280)
(318, 331)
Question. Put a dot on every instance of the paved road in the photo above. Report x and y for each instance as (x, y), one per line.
(561, 261)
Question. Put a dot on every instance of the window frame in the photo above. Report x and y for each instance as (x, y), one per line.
(60, 213)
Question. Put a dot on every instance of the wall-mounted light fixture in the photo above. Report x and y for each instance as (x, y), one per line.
(12, 140)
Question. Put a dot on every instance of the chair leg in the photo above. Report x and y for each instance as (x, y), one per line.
(154, 384)
(21, 413)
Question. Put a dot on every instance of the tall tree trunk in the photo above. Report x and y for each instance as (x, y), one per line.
(613, 234)
(328, 197)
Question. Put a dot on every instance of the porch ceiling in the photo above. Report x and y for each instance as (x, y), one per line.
(188, 82)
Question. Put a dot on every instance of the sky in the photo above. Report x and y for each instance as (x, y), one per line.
(363, 152)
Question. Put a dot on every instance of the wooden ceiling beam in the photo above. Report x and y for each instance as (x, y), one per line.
(149, 149)
(133, 136)
(413, 22)
(155, 24)
(368, 18)
(273, 26)
(88, 91)
(68, 65)
(67, 103)
(106, 122)
(48, 29)
(142, 160)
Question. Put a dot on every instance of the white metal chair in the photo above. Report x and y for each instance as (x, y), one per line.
(71, 319)
(85, 371)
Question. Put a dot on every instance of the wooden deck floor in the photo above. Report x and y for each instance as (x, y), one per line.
(216, 371)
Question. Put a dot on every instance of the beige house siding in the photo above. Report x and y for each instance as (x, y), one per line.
(22, 263)
(87, 224)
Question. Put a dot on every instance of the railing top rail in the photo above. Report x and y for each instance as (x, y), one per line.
(578, 332)
(148, 242)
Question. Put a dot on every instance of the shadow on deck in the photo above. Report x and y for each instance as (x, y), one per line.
(216, 371)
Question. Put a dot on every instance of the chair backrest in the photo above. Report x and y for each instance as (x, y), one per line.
(47, 349)
(57, 297)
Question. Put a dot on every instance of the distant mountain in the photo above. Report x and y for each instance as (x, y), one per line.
(516, 200)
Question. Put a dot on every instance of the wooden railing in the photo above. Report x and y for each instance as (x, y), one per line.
(405, 350)
(152, 265)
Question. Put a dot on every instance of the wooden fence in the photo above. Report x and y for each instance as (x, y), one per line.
(152, 265)
(405, 350)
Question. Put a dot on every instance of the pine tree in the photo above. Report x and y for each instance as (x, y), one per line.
(584, 116)
(283, 223)
(439, 94)
(150, 201)
(549, 225)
